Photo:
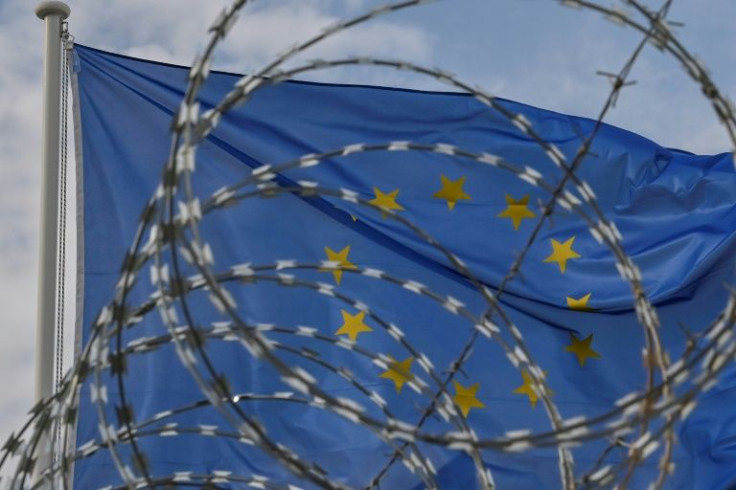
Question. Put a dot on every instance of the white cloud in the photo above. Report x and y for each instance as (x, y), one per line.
(262, 32)
(20, 109)
(554, 65)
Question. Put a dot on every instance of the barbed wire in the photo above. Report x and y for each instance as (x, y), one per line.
(171, 244)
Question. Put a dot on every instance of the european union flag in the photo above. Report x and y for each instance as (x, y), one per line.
(351, 270)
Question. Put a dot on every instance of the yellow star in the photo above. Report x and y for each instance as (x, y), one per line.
(452, 191)
(582, 349)
(465, 398)
(342, 258)
(517, 210)
(352, 325)
(387, 201)
(562, 252)
(399, 372)
(580, 304)
(526, 388)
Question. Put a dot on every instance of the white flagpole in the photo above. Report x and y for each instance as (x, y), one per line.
(52, 13)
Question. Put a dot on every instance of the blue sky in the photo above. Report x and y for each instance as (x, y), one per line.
(533, 51)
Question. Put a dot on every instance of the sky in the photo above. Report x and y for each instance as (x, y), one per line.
(532, 51)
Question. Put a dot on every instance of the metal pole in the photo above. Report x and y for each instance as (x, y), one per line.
(53, 13)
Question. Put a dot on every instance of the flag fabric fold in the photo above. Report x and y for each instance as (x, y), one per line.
(675, 212)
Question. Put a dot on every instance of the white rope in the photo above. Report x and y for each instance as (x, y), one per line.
(61, 235)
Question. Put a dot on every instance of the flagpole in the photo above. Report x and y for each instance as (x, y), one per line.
(52, 13)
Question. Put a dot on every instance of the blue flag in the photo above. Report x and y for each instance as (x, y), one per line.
(375, 314)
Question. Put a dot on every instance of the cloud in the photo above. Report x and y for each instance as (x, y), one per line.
(20, 110)
(261, 33)
(524, 56)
